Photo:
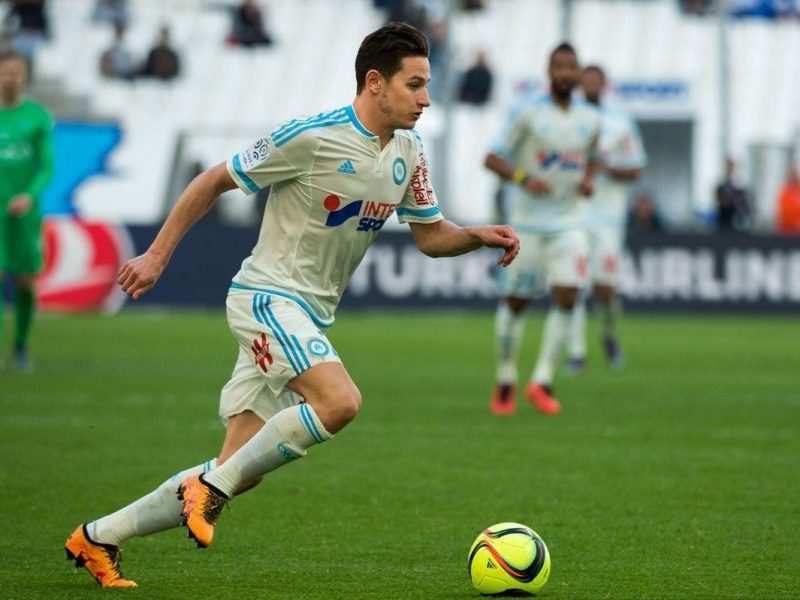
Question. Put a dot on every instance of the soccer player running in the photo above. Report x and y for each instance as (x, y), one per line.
(548, 150)
(26, 167)
(622, 161)
(335, 178)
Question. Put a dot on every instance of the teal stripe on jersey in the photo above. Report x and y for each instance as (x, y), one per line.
(312, 125)
(295, 123)
(259, 304)
(419, 138)
(308, 421)
(299, 301)
(356, 123)
(410, 212)
(237, 166)
(301, 352)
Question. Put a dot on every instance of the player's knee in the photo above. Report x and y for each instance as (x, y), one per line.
(339, 408)
(516, 305)
(349, 405)
(24, 282)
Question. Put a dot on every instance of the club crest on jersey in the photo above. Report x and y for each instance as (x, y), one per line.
(373, 214)
(399, 170)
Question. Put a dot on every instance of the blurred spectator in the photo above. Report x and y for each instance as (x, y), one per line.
(732, 206)
(695, 7)
(404, 11)
(788, 219)
(470, 5)
(248, 26)
(476, 84)
(29, 25)
(117, 61)
(162, 61)
(644, 217)
(110, 11)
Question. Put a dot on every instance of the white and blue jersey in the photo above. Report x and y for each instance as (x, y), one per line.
(332, 189)
(554, 145)
(620, 147)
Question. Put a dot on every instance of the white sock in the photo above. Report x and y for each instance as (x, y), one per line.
(508, 328)
(577, 331)
(556, 328)
(285, 437)
(609, 311)
(157, 511)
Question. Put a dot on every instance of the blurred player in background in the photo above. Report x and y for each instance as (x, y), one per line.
(26, 167)
(547, 149)
(622, 159)
(335, 180)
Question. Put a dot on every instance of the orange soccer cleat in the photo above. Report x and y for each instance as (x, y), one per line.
(101, 560)
(504, 399)
(541, 396)
(202, 506)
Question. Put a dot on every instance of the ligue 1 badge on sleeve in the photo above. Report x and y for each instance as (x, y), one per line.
(256, 154)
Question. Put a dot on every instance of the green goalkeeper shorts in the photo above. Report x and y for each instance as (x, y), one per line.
(21, 242)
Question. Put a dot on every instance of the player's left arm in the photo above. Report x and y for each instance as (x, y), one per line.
(593, 165)
(629, 157)
(445, 238)
(43, 149)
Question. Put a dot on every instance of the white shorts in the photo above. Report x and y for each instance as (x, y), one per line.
(605, 251)
(545, 260)
(278, 340)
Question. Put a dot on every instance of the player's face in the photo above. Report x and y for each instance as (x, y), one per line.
(13, 73)
(405, 95)
(564, 73)
(592, 85)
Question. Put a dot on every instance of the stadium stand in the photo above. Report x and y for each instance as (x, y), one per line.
(226, 95)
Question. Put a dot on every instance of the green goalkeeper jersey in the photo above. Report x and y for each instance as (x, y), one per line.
(26, 151)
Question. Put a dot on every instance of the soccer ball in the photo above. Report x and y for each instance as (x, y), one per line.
(508, 557)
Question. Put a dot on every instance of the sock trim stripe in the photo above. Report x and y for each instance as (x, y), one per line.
(308, 422)
(259, 301)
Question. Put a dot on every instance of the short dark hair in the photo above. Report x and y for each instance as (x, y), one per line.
(385, 49)
(595, 69)
(562, 47)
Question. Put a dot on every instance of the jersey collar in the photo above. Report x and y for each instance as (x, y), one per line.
(356, 123)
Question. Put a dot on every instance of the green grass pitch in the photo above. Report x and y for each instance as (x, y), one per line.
(676, 479)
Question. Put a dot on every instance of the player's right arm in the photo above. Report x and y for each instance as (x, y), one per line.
(140, 274)
(284, 154)
(506, 169)
(498, 160)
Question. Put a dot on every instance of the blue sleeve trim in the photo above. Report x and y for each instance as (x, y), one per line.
(237, 166)
(304, 305)
(410, 212)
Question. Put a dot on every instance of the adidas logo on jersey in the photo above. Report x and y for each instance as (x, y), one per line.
(347, 167)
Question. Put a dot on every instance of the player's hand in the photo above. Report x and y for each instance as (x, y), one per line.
(20, 205)
(140, 274)
(500, 236)
(538, 187)
(586, 186)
